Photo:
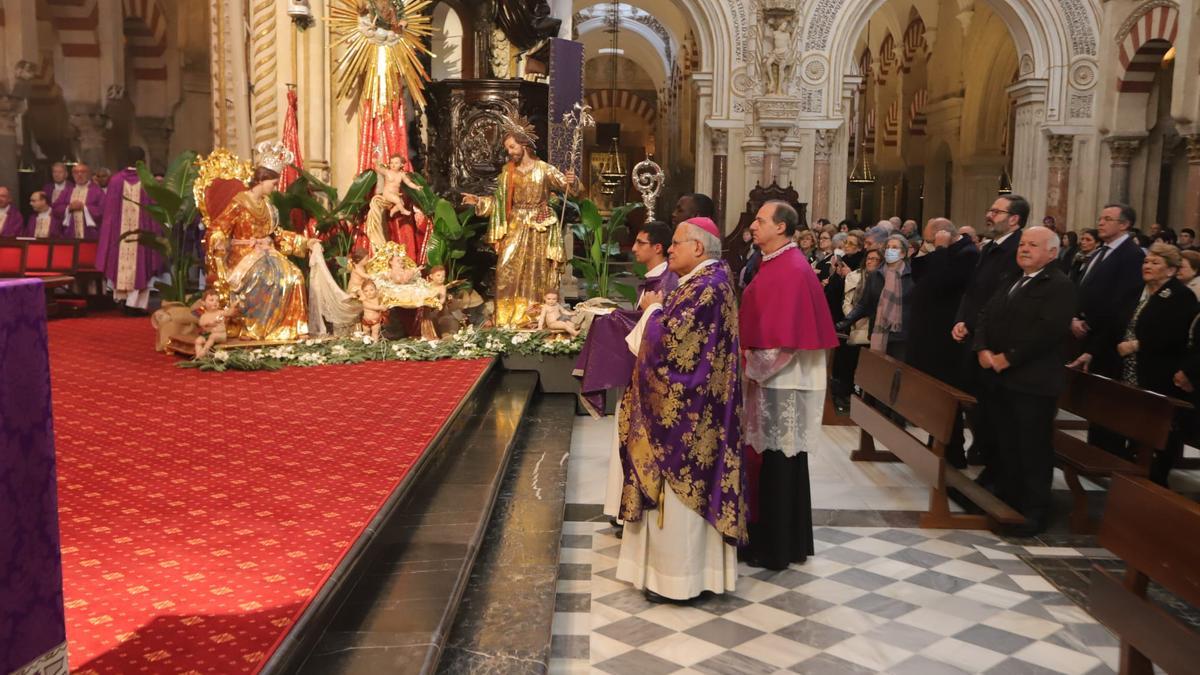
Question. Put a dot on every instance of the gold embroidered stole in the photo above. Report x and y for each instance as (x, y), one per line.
(78, 220)
(131, 211)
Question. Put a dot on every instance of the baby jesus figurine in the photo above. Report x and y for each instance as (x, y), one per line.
(401, 270)
(212, 323)
(391, 178)
(373, 311)
(553, 314)
(437, 283)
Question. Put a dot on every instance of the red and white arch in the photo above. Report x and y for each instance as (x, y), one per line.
(916, 113)
(887, 58)
(1143, 47)
(623, 100)
(891, 126)
(75, 22)
(146, 38)
(914, 44)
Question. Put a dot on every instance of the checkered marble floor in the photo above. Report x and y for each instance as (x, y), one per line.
(890, 600)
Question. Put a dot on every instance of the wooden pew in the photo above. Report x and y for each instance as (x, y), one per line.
(1157, 533)
(931, 405)
(1137, 414)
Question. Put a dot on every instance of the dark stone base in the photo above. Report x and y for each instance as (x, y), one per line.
(554, 372)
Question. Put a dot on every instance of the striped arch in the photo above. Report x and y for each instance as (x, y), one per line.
(75, 22)
(42, 87)
(916, 113)
(914, 44)
(869, 133)
(1143, 46)
(891, 126)
(887, 58)
(864, 68)
(624, 100)
(146, 38)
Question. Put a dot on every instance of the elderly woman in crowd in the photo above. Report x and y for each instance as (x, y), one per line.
(807, 242)
(886, 300)
(1089, 243)
(1189, 269)
(823, 260)
(1155, 343)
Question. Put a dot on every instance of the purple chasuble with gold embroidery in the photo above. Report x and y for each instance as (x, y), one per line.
(680, 422)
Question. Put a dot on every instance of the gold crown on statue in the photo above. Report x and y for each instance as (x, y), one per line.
(521, 128)
(274, 155)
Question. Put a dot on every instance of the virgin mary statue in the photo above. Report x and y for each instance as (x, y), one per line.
(251, 252)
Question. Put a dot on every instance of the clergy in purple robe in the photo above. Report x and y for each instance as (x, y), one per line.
(11, 222)
(680, 431)
(605, 362)
(786, 329)
(42, 224)
(128, 266)
(80, 206)
(58, 181)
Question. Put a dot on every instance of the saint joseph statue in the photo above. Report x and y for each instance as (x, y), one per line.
(524, 230)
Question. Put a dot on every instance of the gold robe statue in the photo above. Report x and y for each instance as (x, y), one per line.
(528, 239)
(249, 252)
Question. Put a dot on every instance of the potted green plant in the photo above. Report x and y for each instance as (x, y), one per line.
(599, 237)
(173, 207)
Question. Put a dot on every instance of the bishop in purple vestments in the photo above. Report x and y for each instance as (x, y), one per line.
(80, 206)
(128, 266)
(11, 222)
(680, 431)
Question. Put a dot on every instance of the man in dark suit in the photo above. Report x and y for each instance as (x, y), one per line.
(1018, 340)
(997, 263)
(1111, 283)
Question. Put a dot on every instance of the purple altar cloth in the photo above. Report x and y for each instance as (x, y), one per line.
(31, 596)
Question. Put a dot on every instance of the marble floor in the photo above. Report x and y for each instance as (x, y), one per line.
(883, 598)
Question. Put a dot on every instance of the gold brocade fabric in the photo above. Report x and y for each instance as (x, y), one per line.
(131, 213)
(529, 238)
(267, 287)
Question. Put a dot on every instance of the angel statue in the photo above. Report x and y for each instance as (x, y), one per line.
(527, 235)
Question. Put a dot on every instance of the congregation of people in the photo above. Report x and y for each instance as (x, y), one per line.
(725, 376)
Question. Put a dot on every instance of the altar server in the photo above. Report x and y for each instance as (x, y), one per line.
(58, 181)
(128, 266)
(11, 222)
(79, 207)
(785, 327)
(680, 430)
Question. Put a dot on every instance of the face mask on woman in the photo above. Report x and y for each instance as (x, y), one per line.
(891, 255)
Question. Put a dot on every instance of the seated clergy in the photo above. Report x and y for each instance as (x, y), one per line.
(79, 207)
(42, 223)
(58, 182)
(680, 430)
(11, 222)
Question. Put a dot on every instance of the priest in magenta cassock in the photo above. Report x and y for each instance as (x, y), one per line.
(12, 224)
(129, 267)
(605, 362)
(786, 329)
(80, 206)
(680, 430)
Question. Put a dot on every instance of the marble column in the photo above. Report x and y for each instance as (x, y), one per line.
(10, 110)
(1121, 152)
(822, 152)
(771, 164)
(720, 176)
(89, 125)
(156, 132)
(1058, 183)
(1191, 213)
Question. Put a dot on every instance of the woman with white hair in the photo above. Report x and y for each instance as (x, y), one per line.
(886, 300)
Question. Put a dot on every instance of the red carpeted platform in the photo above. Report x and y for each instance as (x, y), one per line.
(201, 512)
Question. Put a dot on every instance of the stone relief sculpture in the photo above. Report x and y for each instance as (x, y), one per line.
(775, 61)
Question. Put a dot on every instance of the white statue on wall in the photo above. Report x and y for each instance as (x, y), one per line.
(776, 56)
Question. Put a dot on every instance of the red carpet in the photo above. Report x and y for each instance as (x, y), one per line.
(201, 512)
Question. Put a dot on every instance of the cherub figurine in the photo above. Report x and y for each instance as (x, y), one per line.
(392, 177)
(553, 314)
(401, 270)
(373, 311)
(437, 283)
(212, 323)
(358, 269)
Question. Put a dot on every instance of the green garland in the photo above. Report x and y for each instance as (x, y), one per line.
(468, 343)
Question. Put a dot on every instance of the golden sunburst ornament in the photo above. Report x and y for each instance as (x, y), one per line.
(382, 41)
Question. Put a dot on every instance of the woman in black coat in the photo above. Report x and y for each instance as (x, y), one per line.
(1089, 243)
(1156, 339)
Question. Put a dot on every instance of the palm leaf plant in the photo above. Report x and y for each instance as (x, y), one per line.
(334, 215)
(453, 232)
(600, 238)
(173, 207)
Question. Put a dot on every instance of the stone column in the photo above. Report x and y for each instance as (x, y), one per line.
(1058, 183)
(1191, 212)
(89, 125)
(771, 165)
(156, 131)
(1121, 151)
(10, 110)
(720, 176)
(822, 152)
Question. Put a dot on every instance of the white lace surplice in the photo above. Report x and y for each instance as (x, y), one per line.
(784, 402)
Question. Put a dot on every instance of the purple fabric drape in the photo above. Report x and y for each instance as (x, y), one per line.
(680, 422)
(31, 596)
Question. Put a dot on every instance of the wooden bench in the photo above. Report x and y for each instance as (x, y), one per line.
(1157, 533)
(1139, 415)
(931, 405)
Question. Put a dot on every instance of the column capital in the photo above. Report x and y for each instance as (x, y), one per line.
(720, 141)
(1122, 148)
(90, 124)
(774, 137)
(1061, 148)
(10, 109)
(1193, 148)
(823, 147)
